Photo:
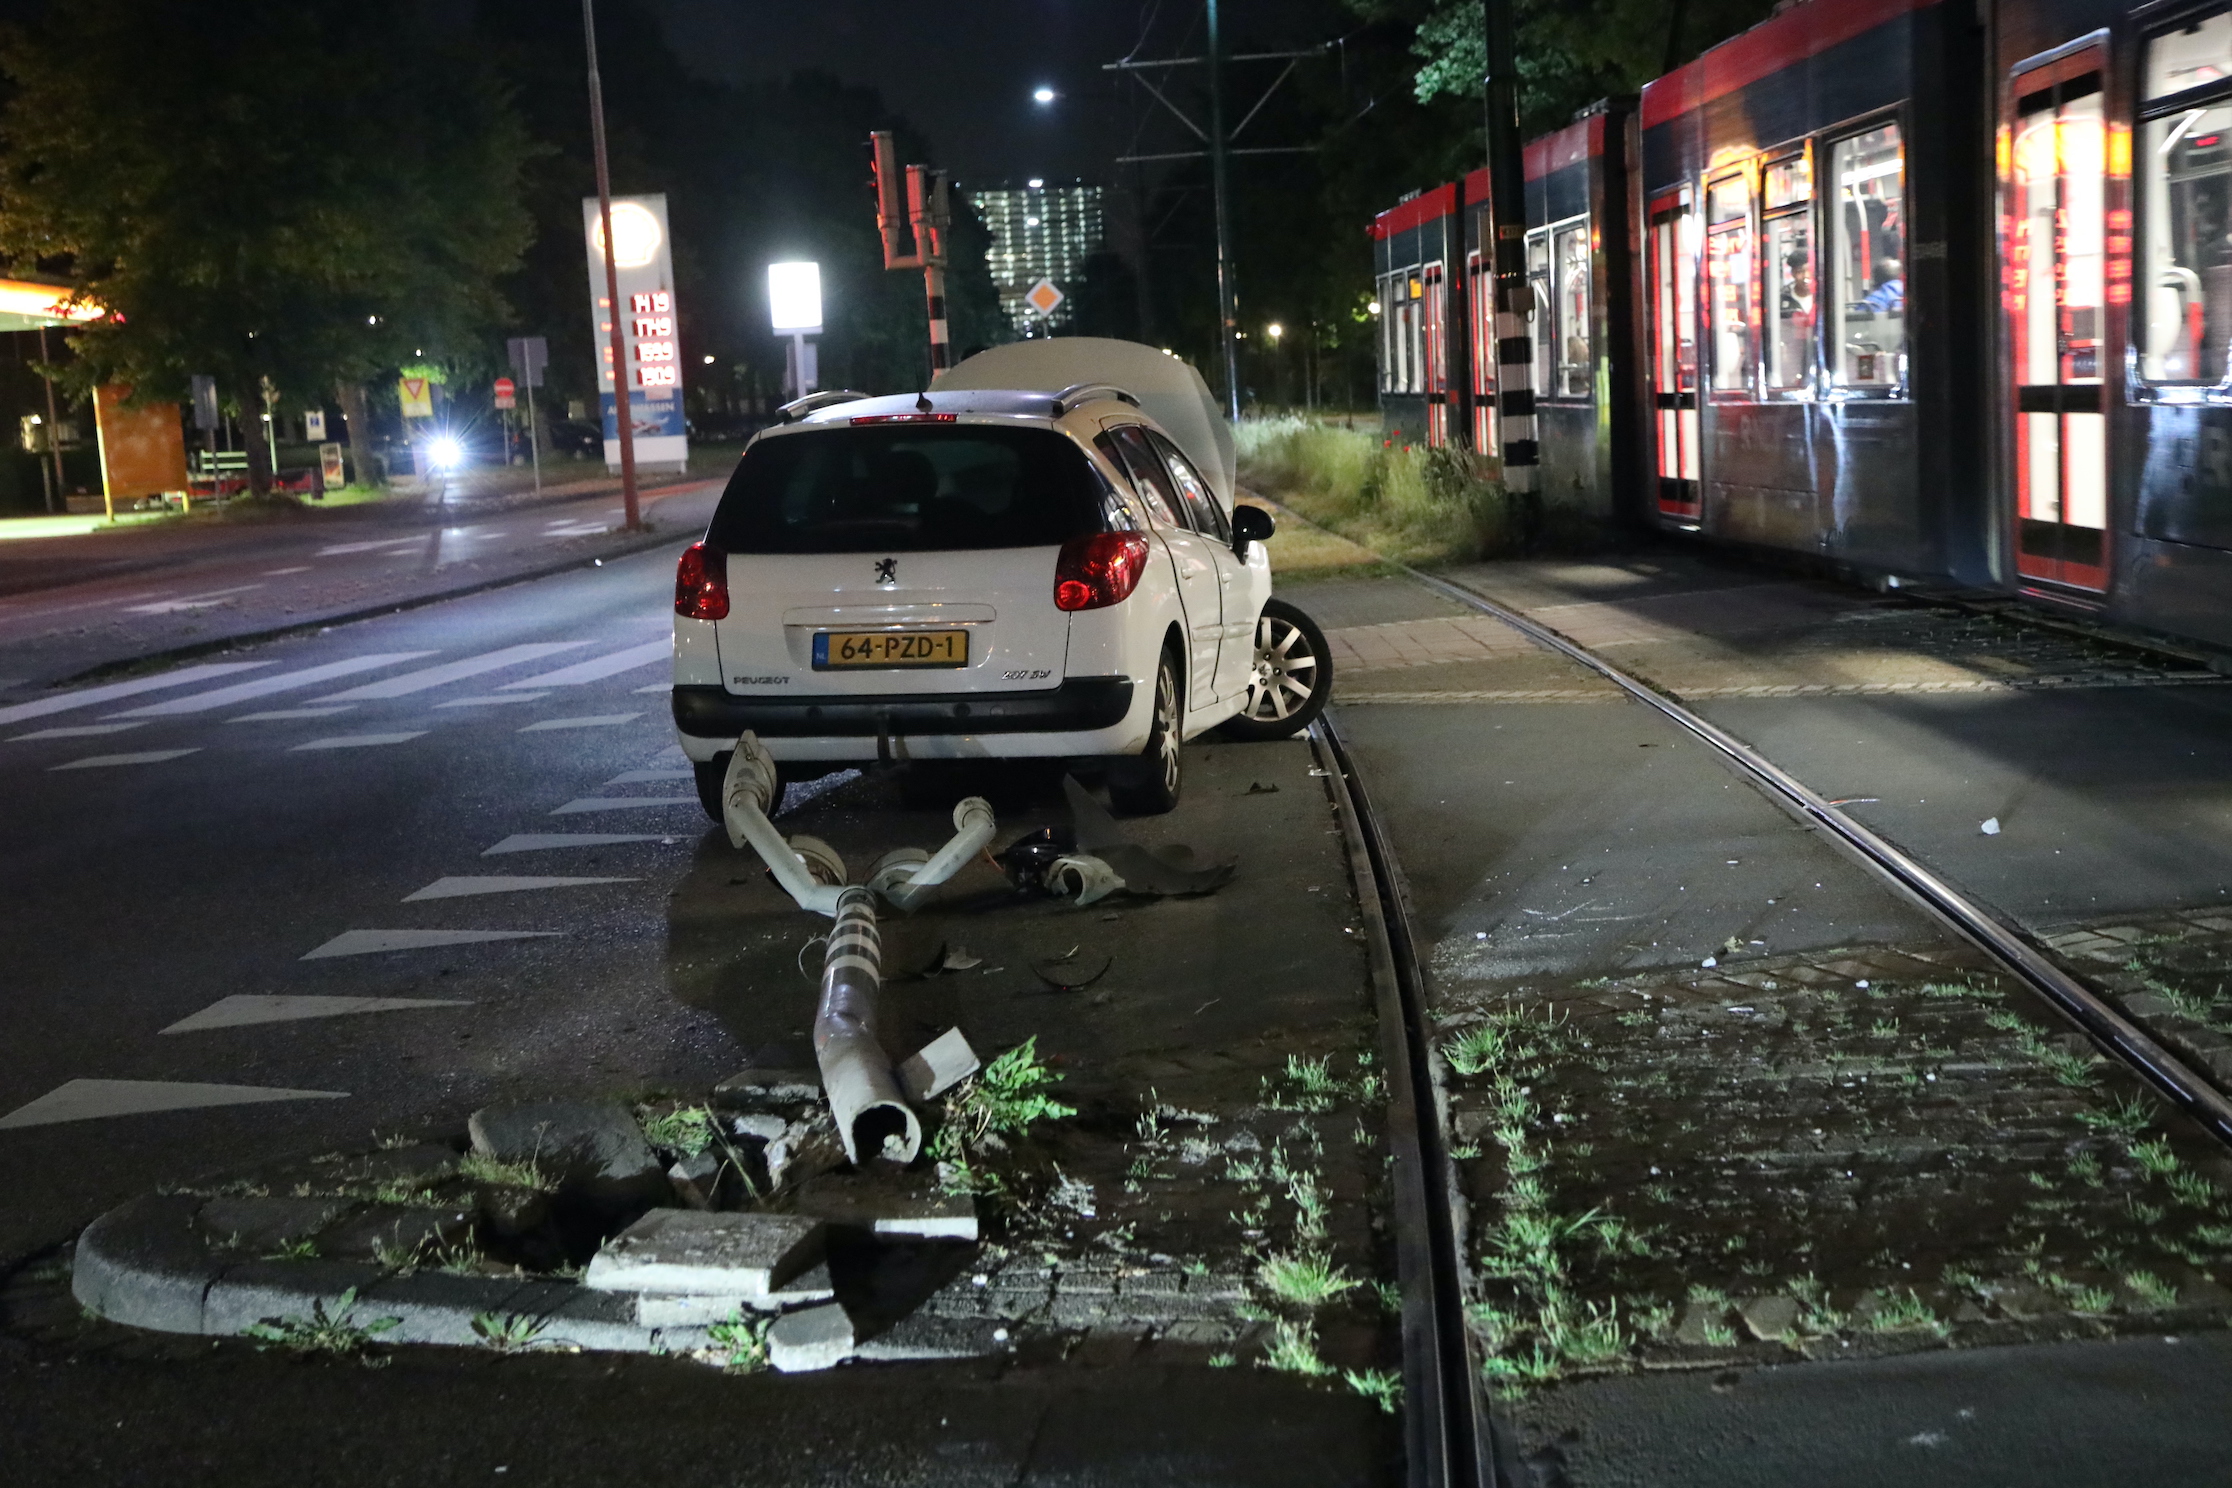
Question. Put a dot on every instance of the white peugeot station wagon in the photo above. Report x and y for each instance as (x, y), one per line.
(991, 570)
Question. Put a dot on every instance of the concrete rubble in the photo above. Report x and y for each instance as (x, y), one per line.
(691, 1253)
(594, 1149)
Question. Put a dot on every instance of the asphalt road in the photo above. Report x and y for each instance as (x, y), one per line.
(473, 812)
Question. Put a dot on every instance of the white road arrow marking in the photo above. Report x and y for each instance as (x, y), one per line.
(368, 942)
(241, 1011)
(462, 886)
(87, 1100)
(538, 841)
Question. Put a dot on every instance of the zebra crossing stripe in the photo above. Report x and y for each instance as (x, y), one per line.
(240, 692)
(89, 696)
(453, 671)
(599, 668)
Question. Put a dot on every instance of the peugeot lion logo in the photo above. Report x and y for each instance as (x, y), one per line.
(887, 570)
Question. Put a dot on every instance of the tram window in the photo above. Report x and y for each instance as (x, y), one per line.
(1728, 277)
(2185, 194)
(1867, 262)
(1789, 183)
(1787, 266)
(1539, 330)
(1576, 372)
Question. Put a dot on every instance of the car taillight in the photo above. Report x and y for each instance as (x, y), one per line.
(1099, 570)
(701, 583)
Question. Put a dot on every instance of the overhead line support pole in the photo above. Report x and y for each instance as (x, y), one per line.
(622, 416)
(1507, 217)
(1228, 310)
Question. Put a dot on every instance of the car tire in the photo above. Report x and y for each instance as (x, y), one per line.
(1148, 785)
(1292, 676)
(711, 775)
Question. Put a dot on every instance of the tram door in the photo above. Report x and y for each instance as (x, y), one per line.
(2059, 288)
(1437, 383)
(1673, 286)
(1480, 304)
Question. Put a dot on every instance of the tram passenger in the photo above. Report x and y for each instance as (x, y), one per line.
(1889, 293)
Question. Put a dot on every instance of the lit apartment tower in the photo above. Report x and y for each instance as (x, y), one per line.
(1039, 230)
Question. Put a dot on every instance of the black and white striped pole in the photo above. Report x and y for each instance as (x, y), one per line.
(1507, 219)
(928, 215)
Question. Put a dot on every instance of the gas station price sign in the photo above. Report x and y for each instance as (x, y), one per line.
(642, 255)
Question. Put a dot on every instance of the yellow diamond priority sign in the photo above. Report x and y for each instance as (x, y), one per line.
(1044, 297)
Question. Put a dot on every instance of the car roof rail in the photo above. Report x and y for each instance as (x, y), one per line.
(1084, 392)
(798, 408)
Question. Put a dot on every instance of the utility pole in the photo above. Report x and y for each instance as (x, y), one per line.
(1217, 141)
(1228, 309)
(929, 213)
(621, 414)
(1507, 216)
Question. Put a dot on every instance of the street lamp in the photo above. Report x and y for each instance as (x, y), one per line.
(1043, 95)
(1274, 331)
(794, 309)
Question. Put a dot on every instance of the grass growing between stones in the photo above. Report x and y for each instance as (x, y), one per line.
(479, 1167)
(1851, 1152)
(335, 1332)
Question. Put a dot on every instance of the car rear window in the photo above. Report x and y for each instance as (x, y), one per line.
(909, 488)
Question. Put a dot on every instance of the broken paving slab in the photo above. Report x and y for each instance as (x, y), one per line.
(692, 1253)
(757, 1089)
(592, 1148)
(260, 1225)
(659, 1310)
(392, 1234)
(810, 1339)
(897, 1209)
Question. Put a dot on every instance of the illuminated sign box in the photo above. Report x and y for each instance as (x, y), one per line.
(643, 256)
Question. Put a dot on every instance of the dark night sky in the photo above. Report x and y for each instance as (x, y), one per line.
(963, 70)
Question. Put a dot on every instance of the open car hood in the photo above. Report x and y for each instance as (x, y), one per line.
(1170, 391)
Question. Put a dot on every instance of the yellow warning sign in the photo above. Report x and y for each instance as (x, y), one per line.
(416, 394)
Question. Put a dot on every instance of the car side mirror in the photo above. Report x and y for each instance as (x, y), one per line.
(1250, 524)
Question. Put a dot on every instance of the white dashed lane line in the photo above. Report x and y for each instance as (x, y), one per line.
(144, 757)
(240, 692)
(645, 777)
(370, 942)
(359, 741)
(466, 886)
(594, 720)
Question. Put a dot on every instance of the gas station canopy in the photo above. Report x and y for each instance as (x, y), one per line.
(26, 305)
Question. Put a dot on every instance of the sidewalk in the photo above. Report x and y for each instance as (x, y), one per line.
(74, 607)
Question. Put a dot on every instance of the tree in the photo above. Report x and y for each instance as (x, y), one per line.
(1570, 52)
(286, 195)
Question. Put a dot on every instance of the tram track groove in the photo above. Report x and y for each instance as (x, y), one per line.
(2006, 944)
(1450, 1439)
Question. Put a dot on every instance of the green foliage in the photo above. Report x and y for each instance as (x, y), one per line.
(1476, 1049)
(1903, 1311)
(1305, 1278)
(478, 1167)
(296, 191)
(1005, 1098)
(1408, 505)
(323, 1332)
(1293, 1350)
(2126, 1118)
(303, 1249)
(742, 1340)
(2151, 1289)
(686, 1129)
(507, 1332)
(1383, 1387)
(2156, 1157)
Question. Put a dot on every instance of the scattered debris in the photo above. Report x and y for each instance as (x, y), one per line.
(1082, 878)
(759, 1088)
(810, 1339)
(938, 1066)
(595, 1149)
(1167, 870)
(1259, 788)
(1991, 827)
(1052, 973)
(957, 958)
(686, 1253)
